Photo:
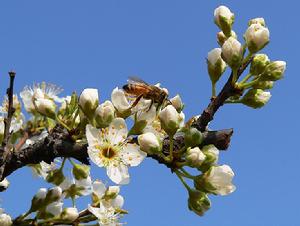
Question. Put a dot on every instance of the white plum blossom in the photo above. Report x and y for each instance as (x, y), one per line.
(119, 100)
(88, 101)
(232, 52)
(219, 180)
(42, 169)
(106, 216)
(76, 188)
(224, 19)
(149, 143)
(109, 148)
(54, 208)
(195, 157)
(69, 214)
(39, 91)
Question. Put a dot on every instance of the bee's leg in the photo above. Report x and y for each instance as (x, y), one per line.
(152, 102)
(136, 101)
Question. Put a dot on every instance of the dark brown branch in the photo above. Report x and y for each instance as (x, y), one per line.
(59, 144)
(10, 110)
(228, 90)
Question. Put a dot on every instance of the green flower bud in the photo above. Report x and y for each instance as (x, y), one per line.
(215, 65)
(198, 202)
(274, 71)
(192, 137)
(263, 85)
(80, 171)
(55, 177)
(177, 103)
(224, 19)
(259, 64)
(256, 98)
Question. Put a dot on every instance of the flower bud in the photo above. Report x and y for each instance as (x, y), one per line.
(221, 37)
(45, 107)
(112, 192)
(170, 120)
(69, 214)
(4, 184)
(37, 201)
(218, 180)
(54, 209)
(53, 195)
(105, 113)
(224, 19)
(192, 137)
(263, 85)
(260, 21)
(256, 98)
(257, 37)
(177, 103)
(215, 65)
(211, 154)
(5, 220)
(88, 101)
(194, 157)
(259, 64)
(198, 202)
(232, 52)
(274, 71)
(80, 171)
(55, 177)
(149, 143)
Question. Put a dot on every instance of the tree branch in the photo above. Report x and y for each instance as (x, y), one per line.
(59, 144)
(228, 90)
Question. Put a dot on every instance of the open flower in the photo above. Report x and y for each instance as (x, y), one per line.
(106, 216)
(108, 148)
(39, 91)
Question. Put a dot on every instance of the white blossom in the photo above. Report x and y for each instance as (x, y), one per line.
(219, 180)
(195, 157)
(149, 143)
(232, 52)
(69, 214)
(256, 36)
(88, 101)
(170, 119)
(106, 216)
(5, 219)
(108, 148)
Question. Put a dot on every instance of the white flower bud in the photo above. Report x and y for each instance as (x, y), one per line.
(194, 157)
(218, 180)
(224, 19)
(232, 52)
(69, 214)
(149, 143)
(41, 194)
(104, 114)
(38, 200)
(211, 153)
(54, 194)
(215, 65)
(88, 101)
(119, 100)
(5, 220)
(257, 37)
(4, 184)
(256, 98)
(54, 208)
(259, 64)
(260, 21)
(170, 119)
(177, 103)
(45, 107)
(274, 71)
(221, 37)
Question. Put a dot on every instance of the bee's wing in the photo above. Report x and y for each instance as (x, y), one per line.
(135, 80)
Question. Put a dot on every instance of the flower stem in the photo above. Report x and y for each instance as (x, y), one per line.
(182, 181)
(233, 101)
(213, 89)
(246, 78)
(62, 123)
(187, 174)
(234, 76)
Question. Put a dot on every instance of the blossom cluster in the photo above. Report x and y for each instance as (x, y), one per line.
(121, 132)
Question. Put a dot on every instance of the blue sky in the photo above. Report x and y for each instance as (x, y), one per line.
(79, 44)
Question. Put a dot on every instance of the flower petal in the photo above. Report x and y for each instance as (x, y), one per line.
(94, 156)
(132, 155)
(117, 131)
(118, 173)
(119, 100)
(93, 135)
(118, 202)
(99, 188)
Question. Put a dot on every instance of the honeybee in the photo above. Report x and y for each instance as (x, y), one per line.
(140, 89)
